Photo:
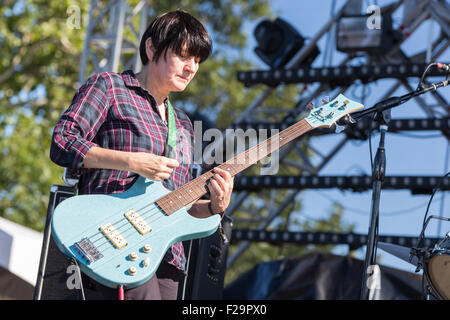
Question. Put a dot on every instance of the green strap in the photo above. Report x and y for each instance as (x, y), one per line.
(172, 137)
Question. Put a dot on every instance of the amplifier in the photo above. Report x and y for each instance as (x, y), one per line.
(206, 266)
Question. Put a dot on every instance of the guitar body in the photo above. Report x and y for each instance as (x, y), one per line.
(114, 248)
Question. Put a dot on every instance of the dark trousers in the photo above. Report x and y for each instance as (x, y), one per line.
(162, 286)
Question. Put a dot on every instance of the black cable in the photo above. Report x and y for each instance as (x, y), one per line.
(371, 170)
(422, 233)
(369, 135)
(420, 85)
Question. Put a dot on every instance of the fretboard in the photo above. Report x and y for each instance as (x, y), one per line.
(196, 188)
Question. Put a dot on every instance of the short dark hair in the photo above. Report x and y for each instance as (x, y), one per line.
(175, 30)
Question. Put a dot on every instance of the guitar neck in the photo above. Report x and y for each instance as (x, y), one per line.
(196, 188)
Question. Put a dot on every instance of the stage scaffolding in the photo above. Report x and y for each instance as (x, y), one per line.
(107, 48)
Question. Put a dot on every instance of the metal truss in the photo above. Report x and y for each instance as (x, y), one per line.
(354, 240)
(416, 184)
(112, 36)
(426, 10)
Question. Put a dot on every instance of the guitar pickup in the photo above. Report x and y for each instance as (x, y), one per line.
(138, 222)
(113, 235)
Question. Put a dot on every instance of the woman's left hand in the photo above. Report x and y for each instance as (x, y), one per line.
(220, 188)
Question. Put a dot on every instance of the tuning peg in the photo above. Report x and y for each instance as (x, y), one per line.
(349, 119)
(325, 99)
(310, 106)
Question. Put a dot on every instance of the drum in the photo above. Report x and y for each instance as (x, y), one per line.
(437, 268)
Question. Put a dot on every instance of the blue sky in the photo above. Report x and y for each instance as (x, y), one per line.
(401, 213)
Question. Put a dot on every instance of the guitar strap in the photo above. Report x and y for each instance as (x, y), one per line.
(172, 136)
(170, 149)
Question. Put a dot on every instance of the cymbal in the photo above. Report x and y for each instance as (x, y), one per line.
(399, 251)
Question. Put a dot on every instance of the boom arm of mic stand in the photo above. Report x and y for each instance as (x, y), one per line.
(396, 101)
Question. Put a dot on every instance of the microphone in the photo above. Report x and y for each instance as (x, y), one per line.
(444, 66)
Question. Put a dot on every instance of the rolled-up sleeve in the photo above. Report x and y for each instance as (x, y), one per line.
(79, 123)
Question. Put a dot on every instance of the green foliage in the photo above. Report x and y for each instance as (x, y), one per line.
(38, 69)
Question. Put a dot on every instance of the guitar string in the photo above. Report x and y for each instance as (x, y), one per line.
(286, 134)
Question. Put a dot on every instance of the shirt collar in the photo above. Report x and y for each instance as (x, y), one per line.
(129, 78)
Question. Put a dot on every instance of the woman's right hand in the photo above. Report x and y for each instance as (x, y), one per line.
(151, 166)
(148, 165)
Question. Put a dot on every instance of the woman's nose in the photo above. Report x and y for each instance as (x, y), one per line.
(192, 64)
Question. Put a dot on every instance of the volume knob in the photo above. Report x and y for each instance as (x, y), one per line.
(133, 256)
(132, 271)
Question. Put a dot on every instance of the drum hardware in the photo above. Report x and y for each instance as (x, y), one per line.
(421, 255)
(435, 263)
(433, 260)
(437, 269)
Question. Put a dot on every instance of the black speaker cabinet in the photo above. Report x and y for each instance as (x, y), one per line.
(206, 266)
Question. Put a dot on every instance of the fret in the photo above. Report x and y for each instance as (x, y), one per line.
(204, 188)
(196, 189)
(235, 169)
(165, 204)
(189, 195)
(190, 192)
(179, 196)
(161, 203)
(196, 185)
(173, 201)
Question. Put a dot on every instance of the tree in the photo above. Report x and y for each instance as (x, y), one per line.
(37, 82)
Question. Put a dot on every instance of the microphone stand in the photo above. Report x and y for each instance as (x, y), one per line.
(379, 169)
(378, 174)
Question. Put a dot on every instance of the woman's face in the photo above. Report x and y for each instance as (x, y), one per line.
(174, 72)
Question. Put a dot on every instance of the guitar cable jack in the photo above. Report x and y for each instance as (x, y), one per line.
(121, 293)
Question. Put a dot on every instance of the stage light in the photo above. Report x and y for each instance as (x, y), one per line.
(354, 34)
(278, 42)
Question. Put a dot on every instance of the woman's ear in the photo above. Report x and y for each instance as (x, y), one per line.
(149, 49)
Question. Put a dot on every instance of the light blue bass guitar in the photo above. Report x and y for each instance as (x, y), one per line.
(120, 239)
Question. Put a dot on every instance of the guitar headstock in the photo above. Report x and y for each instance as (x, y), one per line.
(327, 114)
